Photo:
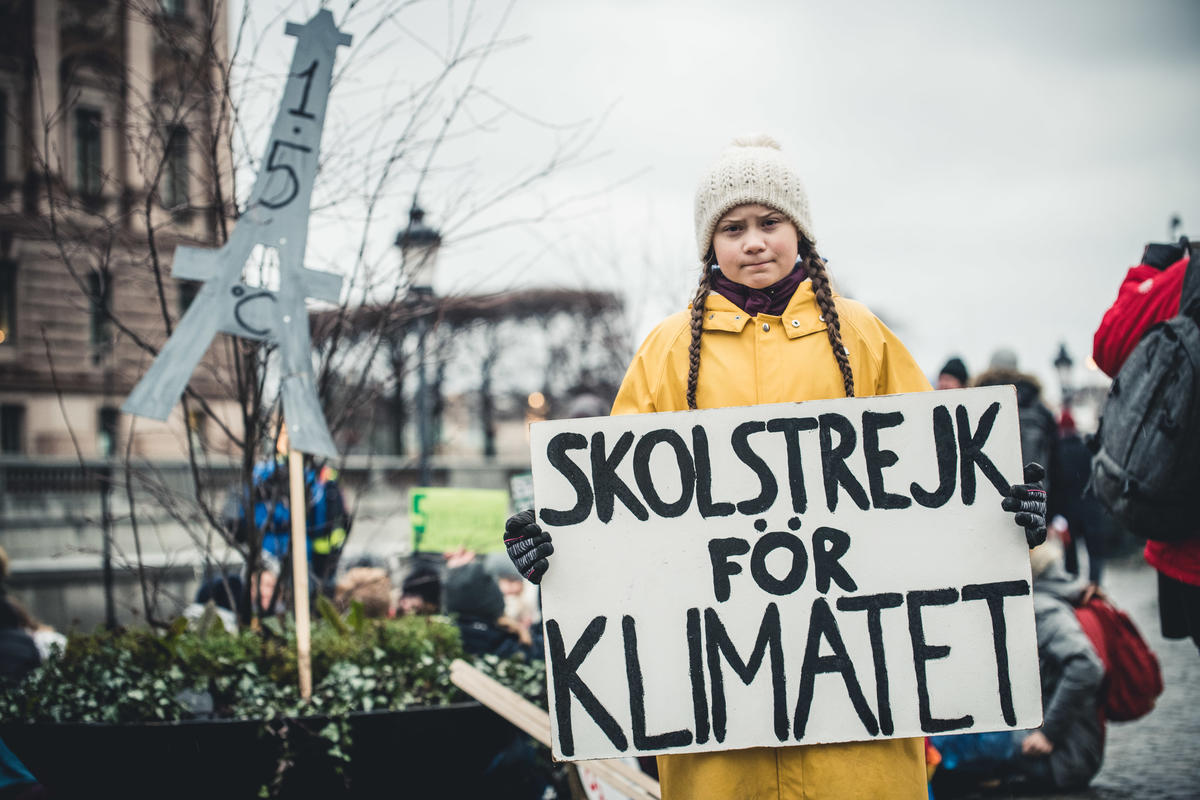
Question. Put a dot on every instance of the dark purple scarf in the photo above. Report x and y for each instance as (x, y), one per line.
(772, 300)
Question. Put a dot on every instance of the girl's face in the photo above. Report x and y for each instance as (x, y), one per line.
(756, 245)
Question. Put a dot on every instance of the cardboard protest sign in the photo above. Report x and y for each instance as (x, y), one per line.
(520, 487)
(798, 573)
(276, 217)
(446, 519)
(596, 788)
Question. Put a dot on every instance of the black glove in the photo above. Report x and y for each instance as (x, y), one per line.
(1028, 501)
(528, 545)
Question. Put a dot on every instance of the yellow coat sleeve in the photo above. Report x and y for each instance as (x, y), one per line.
(898, 370)
(639, 392)
(634, 395)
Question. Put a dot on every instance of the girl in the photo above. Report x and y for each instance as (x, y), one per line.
(766, 327)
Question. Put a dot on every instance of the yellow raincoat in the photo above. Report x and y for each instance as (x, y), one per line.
(775, 359)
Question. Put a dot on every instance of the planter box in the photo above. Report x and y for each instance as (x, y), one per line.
(435, 752)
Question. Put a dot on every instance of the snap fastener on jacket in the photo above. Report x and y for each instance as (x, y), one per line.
(822, 318)
(739, 316)
(710, 316)
(795, 323)
(766, 327)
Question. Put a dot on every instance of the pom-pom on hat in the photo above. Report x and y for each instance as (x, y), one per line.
(751, 170)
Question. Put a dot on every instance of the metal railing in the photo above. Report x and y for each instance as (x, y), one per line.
(29, 483)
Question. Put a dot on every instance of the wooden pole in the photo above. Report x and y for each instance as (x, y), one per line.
(299, 512)
(525, 715)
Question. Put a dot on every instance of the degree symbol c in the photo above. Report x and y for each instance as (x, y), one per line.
(238, 291)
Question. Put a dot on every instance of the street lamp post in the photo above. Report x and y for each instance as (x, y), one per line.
(1062, 365)
(419, 245)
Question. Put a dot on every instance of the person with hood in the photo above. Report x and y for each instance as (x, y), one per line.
(269, 502)
(474, 600)
(1067, 751)
(766, 326)
(421, 592)
(1039, 430)
(19, 653)
(1151, 293)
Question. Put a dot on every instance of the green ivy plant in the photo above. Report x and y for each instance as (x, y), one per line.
(201, 671)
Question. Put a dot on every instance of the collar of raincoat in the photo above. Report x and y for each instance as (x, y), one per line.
(800, 318)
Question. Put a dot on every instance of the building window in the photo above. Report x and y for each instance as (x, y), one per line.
(187, 295)
(100, 304)
(8, 302)
(89, 171)
(12, 429)
(175, 172)
(106, 431)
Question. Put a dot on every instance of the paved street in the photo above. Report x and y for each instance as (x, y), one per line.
(1157, 756)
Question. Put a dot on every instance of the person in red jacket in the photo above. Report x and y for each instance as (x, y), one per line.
(1149, 294)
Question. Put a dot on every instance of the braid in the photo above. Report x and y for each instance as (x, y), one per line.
(697, 328)
(824, 295)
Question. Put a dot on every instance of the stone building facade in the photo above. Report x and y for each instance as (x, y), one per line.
(115, 149)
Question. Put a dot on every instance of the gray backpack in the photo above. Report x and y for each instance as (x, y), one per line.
(1146, 468)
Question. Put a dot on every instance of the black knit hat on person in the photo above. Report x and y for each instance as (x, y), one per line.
(956, 369)
(424, 583)
(471, 591)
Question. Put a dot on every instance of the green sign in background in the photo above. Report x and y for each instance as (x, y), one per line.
(446, 519)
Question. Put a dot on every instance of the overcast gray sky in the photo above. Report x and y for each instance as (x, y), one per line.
(980, 174)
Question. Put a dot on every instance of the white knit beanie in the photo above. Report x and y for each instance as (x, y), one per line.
(751, 170)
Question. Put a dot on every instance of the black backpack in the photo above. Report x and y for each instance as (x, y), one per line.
(1146, 467)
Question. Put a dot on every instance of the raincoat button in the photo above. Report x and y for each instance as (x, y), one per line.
(795, 323)
(766, 327)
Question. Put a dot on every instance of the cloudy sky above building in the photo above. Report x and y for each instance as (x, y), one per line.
(980, 174)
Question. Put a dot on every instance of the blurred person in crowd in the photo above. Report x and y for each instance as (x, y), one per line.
(224, 592)
(24, 641)
(953, 375)
(328, 523)
(518, 606)
(474, 599)
(230, 600)
(421, 592)
(1039, 429)
(1067, 751)
(371, 587)
(1084, 516)
(1151, 293)
(264, 586)
(16, 781)
(18, 654)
